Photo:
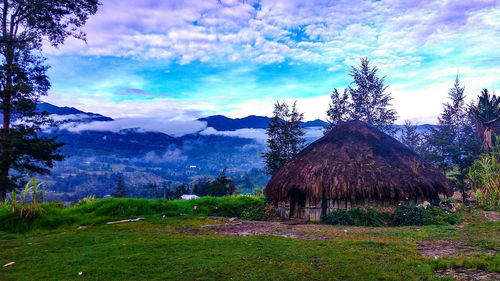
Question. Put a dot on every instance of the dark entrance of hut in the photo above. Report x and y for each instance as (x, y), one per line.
(297, 203)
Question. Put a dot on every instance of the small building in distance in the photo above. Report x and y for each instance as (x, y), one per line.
(354, 165)
(189, 196)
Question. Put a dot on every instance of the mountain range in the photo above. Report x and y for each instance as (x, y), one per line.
(147, 157)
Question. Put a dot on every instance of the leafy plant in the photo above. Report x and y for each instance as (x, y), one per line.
(256, 213)
(86, 200)
(484, 175)
(21, 206)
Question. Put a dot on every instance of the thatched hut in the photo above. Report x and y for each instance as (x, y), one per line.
(354, 165)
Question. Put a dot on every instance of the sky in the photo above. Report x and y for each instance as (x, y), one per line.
(177, 60)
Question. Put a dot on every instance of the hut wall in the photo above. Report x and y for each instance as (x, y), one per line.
(284, 209)
(312, 210)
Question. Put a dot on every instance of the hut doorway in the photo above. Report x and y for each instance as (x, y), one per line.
(297, 203)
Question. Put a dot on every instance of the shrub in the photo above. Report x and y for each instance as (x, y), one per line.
(412, 215)
(484, 175)
(408, 215)
(438, 216)
(341, 217)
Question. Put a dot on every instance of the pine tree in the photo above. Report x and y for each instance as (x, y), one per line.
(339, 109)
(367, 100)
(410, 137)
(285, 136)
(449, 144)
(119, 191)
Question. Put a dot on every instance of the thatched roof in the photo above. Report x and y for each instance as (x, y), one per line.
(357, 162)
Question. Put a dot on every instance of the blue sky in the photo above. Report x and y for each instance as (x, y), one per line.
(180, 60)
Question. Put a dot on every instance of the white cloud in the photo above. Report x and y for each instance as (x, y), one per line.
(204, 29)
(256, 134)
(170, 127)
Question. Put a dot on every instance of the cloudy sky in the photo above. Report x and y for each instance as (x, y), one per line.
(178, 59)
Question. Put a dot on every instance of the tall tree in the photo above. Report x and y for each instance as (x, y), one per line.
(486, 114)
(453, 143)
(25, 24)
(410, 137)
(285, 136)
(365, 99)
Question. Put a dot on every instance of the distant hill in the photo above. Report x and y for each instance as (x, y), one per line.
(223, 123)
(97, 157)
(73, 114)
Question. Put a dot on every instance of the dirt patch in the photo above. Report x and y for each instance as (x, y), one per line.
(291, 229)
(441, 248)
(465, 274)
(491, 215)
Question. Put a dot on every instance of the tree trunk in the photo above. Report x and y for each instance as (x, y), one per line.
(487, 144)
(3, 195)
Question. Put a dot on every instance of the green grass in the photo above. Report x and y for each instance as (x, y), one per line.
(99, 211)
(177, 248)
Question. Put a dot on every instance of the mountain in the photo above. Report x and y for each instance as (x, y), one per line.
(314, 123)
(71, 114)
(223, 123)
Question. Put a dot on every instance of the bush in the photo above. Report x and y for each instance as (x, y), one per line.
(341, 217)
(408, 215)
(412, 215)
(438, 216)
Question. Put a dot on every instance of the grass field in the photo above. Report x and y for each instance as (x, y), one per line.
(178, 248)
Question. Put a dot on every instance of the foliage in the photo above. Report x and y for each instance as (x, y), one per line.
(437, 216)
(285, 136)
(23, 80)
(85, 200)
(119, 191)
(339, 216)
(484, 175)
(408, 215)
(339, 109)
(486, 114)
(221, 186)
(367, 101)
(27, 205)
(261, 212)
(413, 215)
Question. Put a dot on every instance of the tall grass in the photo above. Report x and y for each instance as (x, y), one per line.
(88, 212)
(27, 203)
(484, 175)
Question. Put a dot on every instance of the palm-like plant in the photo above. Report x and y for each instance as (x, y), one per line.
(487, 117)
